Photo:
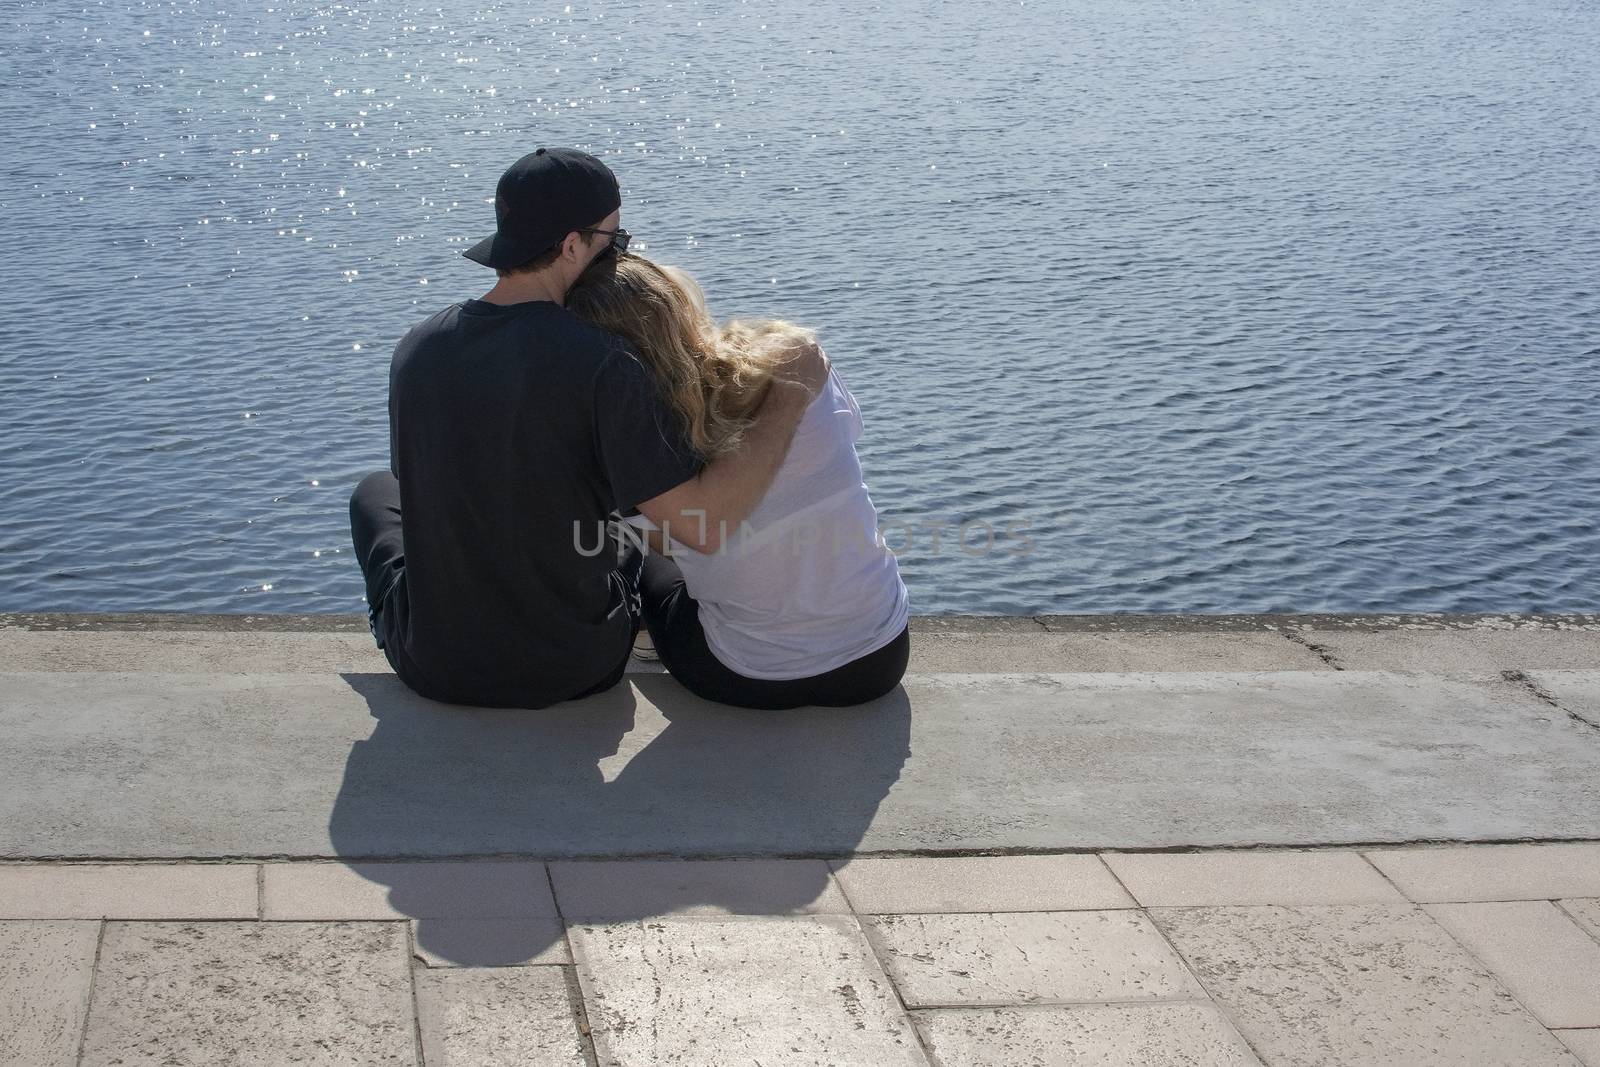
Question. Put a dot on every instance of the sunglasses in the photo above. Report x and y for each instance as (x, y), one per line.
(619, 238)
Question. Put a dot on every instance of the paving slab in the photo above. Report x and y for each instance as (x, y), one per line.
(692, 990)
(1546, 959)
(906, 884)
(1083, 1035)
(1493, 872)
(1027, 958)
(45, 971)
(1585, 1044)
(190, 651)
(638, 889)
(926, 625)
(251, 995)
(1359, 622)
(1575, 691)
(508, 1015)
(1585, 912)
(1131, 651)
(1458, 651)
(1355, 983)
(490, 942)
(964, 649)
(1105, 622)
(128, 891)
(988, 761)
(1255, 877)
(192, 621)
(483, 889)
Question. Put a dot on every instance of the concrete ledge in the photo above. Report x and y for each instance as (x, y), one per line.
(180, 620)
(354, 765)
(1313, 621)
(224, 736)
(216, 804)
(273, 651)
(311, 644)
(929, 624)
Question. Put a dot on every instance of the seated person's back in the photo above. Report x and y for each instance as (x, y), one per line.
(806, 583)
(515, 431)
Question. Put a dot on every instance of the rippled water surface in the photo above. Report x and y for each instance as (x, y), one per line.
(1203, 306)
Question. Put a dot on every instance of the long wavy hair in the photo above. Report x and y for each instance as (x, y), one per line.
(714, 377)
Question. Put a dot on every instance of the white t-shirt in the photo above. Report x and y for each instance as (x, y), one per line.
(807, 582)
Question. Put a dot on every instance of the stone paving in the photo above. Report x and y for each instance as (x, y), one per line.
(237, 840)
(1473, 955)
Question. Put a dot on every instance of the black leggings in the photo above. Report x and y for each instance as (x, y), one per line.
(673, 618)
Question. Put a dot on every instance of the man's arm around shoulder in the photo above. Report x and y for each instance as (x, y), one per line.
(698, 512)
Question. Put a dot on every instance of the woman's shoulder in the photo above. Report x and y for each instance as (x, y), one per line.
(841, 402)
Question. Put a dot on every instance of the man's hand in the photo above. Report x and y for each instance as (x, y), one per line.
(802, 363)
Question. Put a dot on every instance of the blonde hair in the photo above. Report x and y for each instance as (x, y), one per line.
(714, 377)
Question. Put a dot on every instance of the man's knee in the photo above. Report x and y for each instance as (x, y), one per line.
(374, 491)
(378, 483)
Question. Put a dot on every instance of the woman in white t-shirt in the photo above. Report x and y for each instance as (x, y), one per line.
(803, 603)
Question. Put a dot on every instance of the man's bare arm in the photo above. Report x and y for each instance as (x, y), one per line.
(698, 512)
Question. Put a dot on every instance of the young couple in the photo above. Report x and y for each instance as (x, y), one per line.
(590, 384)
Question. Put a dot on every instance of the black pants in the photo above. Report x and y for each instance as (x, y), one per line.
(673, 618)
(380, 550)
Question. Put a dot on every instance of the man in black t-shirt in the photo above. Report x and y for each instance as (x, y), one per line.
(515, 430)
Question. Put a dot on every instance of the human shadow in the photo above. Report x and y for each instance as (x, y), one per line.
(644, 770)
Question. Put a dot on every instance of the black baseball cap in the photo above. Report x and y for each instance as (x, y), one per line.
(541, 198)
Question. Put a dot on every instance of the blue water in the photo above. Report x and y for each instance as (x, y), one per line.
(1221, 306)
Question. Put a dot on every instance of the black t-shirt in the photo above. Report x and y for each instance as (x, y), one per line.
(514, 431)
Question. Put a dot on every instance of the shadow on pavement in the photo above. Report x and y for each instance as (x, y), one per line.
(644, 769)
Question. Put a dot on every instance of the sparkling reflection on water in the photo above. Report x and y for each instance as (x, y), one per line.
(1220, 307)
